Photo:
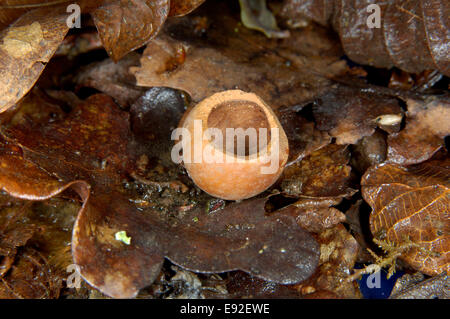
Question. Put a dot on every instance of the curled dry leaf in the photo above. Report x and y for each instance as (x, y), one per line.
(412, 205)
(350, 113)
(26, 46)
(127, 25)
(90, 151)
(413, 35)
(237, 58)
(426, 126)
(10, 10)
(181, 7)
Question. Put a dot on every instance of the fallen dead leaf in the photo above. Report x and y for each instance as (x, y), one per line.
(112, 79)
(338, 253)
(411, 34)
(231, 57)
(412, 204)
(127, 25)
(415, 286)
(350, 113)
(426, 126)
(302, 135)
(27, 45)
(324, 173)
(182, 7)
(93, 148)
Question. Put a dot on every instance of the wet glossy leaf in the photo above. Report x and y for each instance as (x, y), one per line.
(412, 204)
(350, 113)
(240, 236)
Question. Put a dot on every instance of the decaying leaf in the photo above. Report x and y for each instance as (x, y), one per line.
(426, 126)
(182, 7)
(369, 150)
(30, 278)
(412, 205)
(315, 214)
(324, 173)
(350, 113)
(224, 56)
(415, 286)
(90, 151)
(338, 253)
(112, 79)
(12, 232)
(126, 25)
(302, 135)
(412, 35)
(255, 15)
(242, 285)
(25, 47)
(10, 10)
(35, 246)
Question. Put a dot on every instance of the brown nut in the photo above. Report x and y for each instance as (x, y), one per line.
(221, 152)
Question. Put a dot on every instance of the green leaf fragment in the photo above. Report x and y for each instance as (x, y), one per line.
(122, 236)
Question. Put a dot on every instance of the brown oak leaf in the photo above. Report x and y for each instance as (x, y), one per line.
(120, 246)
